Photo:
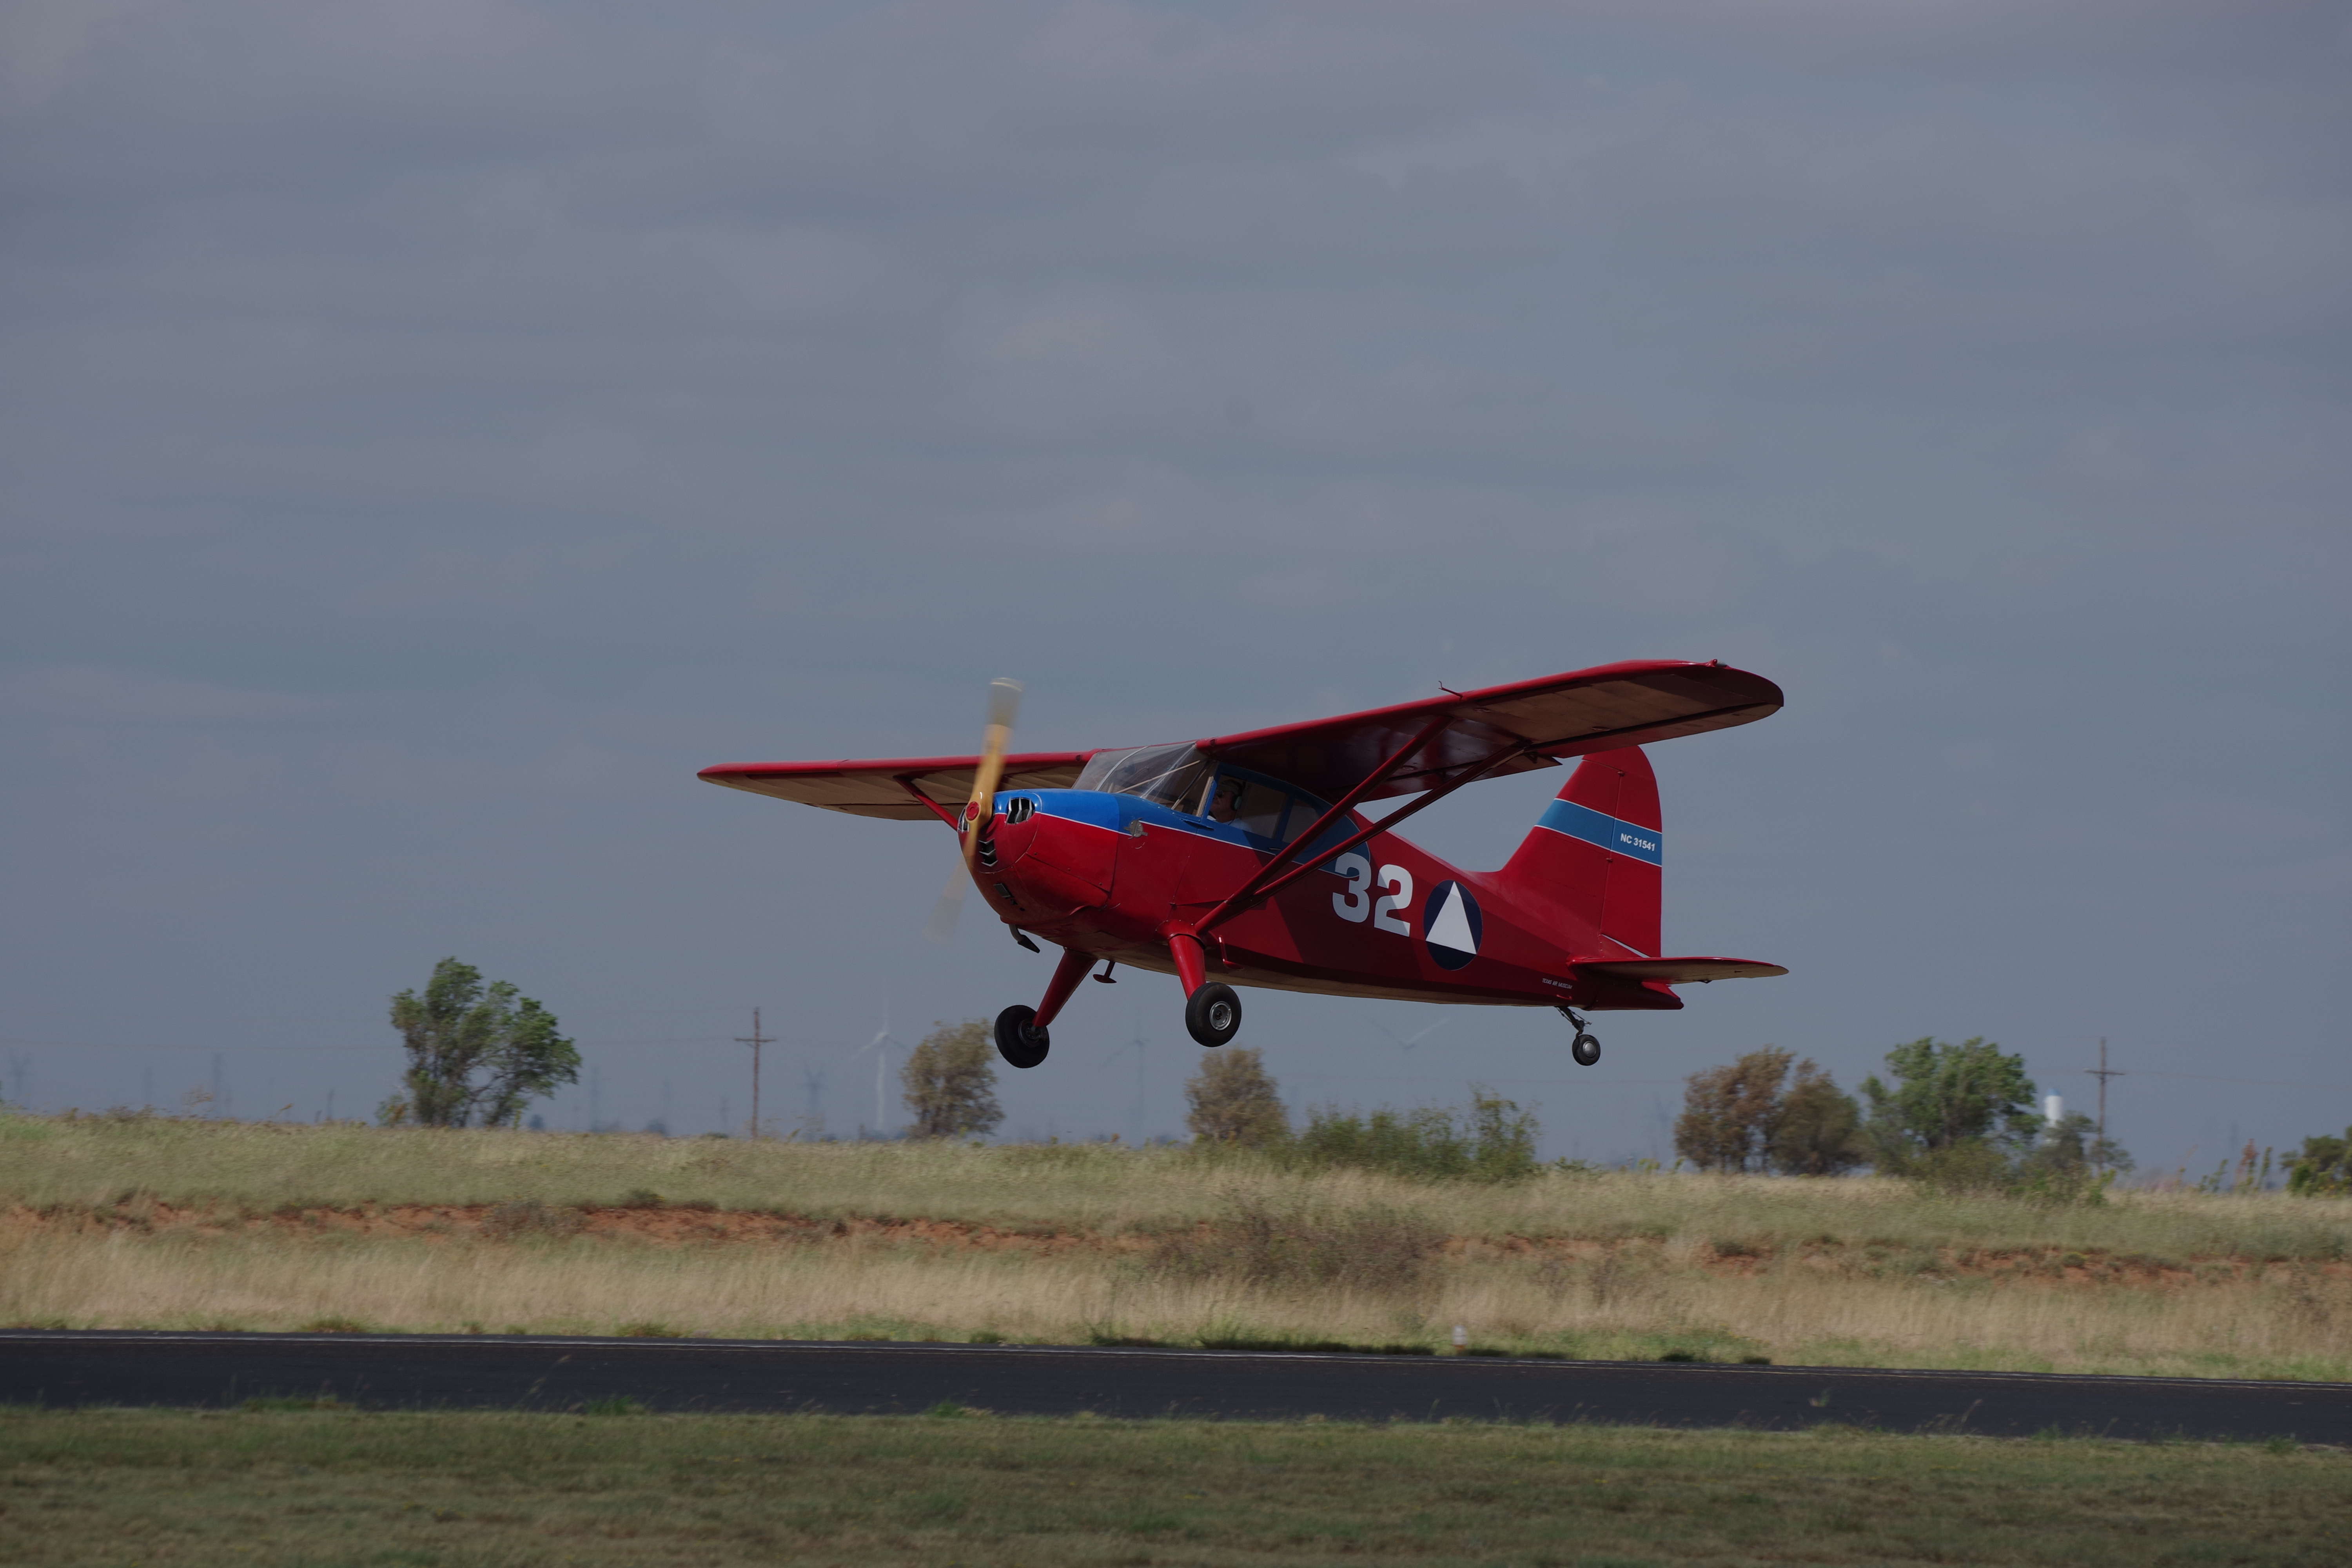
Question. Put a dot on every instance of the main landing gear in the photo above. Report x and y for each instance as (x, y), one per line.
(1213, 1013)
(1584, 1049)
(1020, 1032)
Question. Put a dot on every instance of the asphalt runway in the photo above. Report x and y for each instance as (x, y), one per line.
(501, 1372)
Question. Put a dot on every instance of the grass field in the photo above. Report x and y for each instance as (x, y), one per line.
(184, 1223)
(340, 1488)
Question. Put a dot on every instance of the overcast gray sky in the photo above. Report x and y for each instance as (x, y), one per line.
(435, 429)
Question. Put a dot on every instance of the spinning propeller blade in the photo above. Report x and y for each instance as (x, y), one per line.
(1004, 707)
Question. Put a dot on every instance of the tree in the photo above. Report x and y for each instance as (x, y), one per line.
(476, 1054)
(1949, 1106)
(1727, 1112)
(2324, 1168)
(2071, 1151)
(1233, 1101)
(950, 1082)
(1816, 1129)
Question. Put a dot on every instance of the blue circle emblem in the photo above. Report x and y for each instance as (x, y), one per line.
(1451, 925)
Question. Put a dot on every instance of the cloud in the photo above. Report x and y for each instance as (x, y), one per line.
(531, 403)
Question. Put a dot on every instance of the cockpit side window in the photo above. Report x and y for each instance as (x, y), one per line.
(1169, 775)
(1254, 806)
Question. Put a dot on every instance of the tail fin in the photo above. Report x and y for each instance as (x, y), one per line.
(1594, 856)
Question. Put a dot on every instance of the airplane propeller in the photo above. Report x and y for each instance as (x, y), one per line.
(1004, 707)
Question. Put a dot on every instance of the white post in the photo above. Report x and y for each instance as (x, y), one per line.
(2053, 1109)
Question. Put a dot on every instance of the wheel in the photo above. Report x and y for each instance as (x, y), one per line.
(1212, 1015)
(1021, 1043)
(1586, 1049)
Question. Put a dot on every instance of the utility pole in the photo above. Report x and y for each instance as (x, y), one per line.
(2102, 1072)
(755, 1040)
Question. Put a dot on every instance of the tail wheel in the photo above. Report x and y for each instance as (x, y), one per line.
(1212, 1015)
(1020, 1040)
(1585, 1049)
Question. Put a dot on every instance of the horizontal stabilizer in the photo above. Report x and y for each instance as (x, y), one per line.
(1677, 970)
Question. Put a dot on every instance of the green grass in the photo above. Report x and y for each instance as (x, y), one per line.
(620, 1487)
(1099, 1188)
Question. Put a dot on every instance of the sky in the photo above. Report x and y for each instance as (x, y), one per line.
(436, 429)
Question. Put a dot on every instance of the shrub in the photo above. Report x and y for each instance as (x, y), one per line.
(1232, 1101)
(1494, 1141)
(950, 1082)
(2324, 1168)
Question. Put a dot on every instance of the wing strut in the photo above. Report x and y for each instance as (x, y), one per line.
(1266, 882)
(1288, 852)
(907, 782)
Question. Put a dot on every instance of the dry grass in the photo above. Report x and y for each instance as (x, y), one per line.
(1091, 1188)
(1634, 1299)
(1063, 1244)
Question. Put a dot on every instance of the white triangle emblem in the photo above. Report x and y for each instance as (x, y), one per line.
(1449, 928)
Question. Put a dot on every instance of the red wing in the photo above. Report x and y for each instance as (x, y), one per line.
(1598, 710)
(871, 788)
(1678, 971)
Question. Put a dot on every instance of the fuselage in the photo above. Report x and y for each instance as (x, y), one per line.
(1113, 874)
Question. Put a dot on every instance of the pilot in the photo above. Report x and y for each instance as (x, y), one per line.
(1227, 800)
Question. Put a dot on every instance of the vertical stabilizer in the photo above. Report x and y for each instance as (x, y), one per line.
(1594, 857)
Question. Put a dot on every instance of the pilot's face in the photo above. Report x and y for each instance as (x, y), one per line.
(1222, 808)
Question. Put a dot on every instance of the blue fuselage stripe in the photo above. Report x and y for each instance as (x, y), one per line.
(1597, 827)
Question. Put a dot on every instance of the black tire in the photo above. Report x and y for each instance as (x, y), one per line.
(1586, 1049)
(1212, 1015)
(1022, 1043)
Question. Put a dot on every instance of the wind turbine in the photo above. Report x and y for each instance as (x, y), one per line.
(880, 1044)
(1404, 1045)
(815, 1081)
(1135, 1125)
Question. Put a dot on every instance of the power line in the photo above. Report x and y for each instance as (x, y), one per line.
(392, 1046)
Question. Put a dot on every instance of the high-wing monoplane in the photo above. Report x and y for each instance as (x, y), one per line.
(1245, 859)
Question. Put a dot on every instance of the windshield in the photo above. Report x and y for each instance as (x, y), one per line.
(1169, 775)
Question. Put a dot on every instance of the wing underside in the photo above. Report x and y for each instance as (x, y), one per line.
(874, 787)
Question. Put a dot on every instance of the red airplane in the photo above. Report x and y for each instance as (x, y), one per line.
(1243, 859)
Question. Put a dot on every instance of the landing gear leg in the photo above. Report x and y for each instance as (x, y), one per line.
(1066, 976)
(1584, 1049)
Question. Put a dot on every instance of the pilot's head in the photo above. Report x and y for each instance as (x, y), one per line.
(1228, 796)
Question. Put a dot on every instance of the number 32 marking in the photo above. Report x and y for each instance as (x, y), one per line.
(1396, 894)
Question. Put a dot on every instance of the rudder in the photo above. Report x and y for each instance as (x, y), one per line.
(1595, 856)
